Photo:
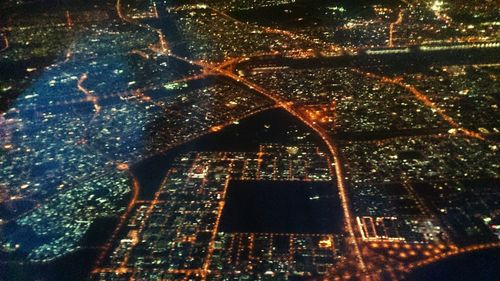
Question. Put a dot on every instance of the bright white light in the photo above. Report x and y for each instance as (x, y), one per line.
(436, 7)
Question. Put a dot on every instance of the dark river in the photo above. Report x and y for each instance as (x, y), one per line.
(474, 266)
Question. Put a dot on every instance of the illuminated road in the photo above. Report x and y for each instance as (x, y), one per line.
(144, 221)
(123, 218)
(391, 27)
(211, 245)
(69, 21)
(118, 8)
(425, 100)
(269, 30)
(90, 97)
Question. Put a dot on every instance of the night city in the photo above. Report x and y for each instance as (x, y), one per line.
(242, 140)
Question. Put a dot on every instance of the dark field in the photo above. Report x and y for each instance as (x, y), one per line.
(282, 207)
